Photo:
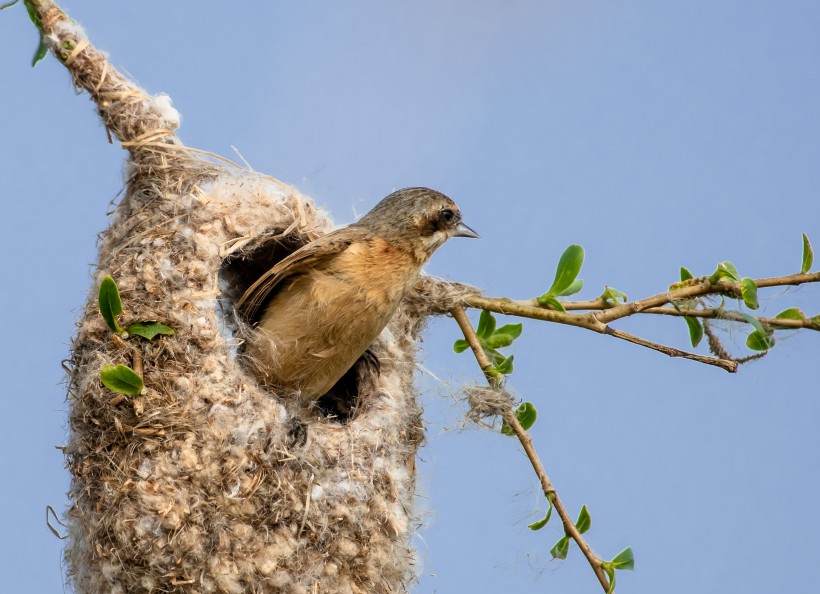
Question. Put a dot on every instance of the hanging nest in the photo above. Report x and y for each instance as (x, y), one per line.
(205, 482)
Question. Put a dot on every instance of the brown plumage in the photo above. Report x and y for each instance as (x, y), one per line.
(324, 305)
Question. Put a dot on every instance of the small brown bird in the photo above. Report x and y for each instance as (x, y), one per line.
(324, 305)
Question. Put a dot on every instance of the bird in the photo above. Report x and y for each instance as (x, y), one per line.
(322, 306)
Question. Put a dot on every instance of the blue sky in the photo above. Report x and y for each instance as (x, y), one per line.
(654, 134)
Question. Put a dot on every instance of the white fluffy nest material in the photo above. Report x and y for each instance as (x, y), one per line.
(487, 402)
(205, 483)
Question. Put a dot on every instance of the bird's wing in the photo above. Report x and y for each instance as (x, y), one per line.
(310, 256)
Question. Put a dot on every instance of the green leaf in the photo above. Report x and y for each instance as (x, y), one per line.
(498, 341)
(753, 322)
(496, 358)
(730, 270)
(494, 374)
(513, 330)
(42, 48)
(695, 330)
(725, 270)
(612, 295)
(543, 522)
(624, 560)
(568, 268)
(551, 302)
(610, 573)
(561, 548)
(761, 339)
(149, 330)
(506, 366)
(575, 287)
(41, 52)
(121, 379)
(34, 16)
(808, 255)
(526, 415)
(758, 341)
(584, 520)
(110, 303)
(793, 313)
(506, 429)
(748, 290)
(461, 345)
(685, 275)
(486, 324)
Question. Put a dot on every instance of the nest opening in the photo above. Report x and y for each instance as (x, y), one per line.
(240, 269)
(238, 272)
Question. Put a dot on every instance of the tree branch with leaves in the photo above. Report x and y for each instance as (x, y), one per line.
(686, 298)
(724, 295)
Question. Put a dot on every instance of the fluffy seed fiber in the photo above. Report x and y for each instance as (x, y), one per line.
(201, 484)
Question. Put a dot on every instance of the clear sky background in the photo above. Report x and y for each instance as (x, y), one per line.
(656, 134)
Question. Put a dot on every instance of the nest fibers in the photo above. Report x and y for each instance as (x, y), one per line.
(205, 482)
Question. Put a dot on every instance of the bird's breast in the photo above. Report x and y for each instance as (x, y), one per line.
(376, 271)
(321, 322)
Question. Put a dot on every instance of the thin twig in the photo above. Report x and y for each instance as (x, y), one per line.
(506, 306)
(136, 360)
(49, 513)
(600, 312)
(547, 487)
(733, 316)
(725, 364)
(470, 336)
(703, 287)
(699, 287)
(307, 506)
(588, 321)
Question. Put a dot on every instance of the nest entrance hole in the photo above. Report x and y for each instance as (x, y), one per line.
(240, 270)
(243, 267)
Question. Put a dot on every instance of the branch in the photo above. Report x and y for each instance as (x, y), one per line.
(588, 321)
(700, 288)
(599, 312)
(725, 364)
(550, 493)
(732, 316)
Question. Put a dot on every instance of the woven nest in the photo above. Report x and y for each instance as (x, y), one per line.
(206, 482)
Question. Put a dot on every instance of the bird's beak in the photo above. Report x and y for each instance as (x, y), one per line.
(462, 230)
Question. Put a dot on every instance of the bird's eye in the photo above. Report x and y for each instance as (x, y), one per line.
(447, 215)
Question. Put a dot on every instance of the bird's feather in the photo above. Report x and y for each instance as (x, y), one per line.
(308, 257)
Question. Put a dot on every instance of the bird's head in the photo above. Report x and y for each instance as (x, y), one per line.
(421, 218)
